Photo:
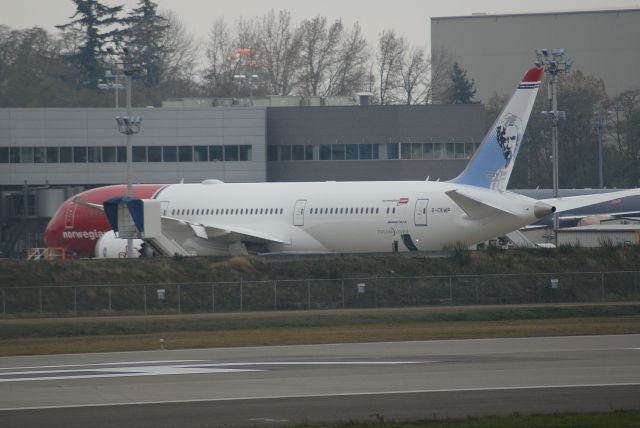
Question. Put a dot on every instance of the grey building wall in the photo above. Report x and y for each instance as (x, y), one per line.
(462, 125)
(96, 127)
(496, 50)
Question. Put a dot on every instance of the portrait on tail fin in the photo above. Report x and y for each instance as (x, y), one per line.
(507, 136)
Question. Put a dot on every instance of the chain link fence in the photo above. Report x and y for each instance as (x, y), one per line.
(309, 294)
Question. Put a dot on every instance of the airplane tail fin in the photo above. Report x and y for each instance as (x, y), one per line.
(492, 163)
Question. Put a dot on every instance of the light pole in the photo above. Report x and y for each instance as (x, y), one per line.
(250, 78)
(111, 85)
(129, 125)
(554, 63)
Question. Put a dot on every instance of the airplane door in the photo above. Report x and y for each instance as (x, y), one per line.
(70, 216)
(298, 212)
(420, 216)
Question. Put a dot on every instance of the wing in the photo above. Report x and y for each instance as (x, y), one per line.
(572, 202)
(215, 231)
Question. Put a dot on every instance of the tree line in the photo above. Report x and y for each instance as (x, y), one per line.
(314, 57)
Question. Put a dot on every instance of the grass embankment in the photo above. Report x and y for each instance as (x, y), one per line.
(211, 269)
(25, 337)
(619, 419)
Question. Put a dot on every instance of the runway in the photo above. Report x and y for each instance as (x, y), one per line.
(275, 386)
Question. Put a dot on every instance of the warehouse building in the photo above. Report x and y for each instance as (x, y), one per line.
(496, 49)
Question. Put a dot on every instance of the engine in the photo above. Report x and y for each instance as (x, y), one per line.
(111, 247)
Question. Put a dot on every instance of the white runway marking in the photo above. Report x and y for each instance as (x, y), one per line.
(345, 394)
(161, 368)
(120, 363)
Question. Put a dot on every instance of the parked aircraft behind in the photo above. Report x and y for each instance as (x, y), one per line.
(215, 218)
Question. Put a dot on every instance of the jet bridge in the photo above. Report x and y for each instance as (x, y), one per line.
(141, 219)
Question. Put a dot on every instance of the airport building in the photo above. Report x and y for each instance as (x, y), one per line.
(497, 49)
(50, 154)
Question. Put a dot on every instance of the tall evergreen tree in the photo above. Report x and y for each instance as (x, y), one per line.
(144, 39)
(94, 18)
(461, 90)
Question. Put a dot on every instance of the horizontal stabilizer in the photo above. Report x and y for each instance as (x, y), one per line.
(474, 207)
(573, 202)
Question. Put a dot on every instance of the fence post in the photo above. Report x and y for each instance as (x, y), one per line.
(343, 294)
(109, 292)
(75, 301)
(40, 299)
(450, 290)
(213, 298)
(602, 284)
(145, 299)
(477, 291)
(308, 295)
(179, 302)
(4, 303)
(275, 295)
(241, 296)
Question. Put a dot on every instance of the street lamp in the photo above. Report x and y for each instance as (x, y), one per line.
(250, 78)
(554, 63)
(111, 85)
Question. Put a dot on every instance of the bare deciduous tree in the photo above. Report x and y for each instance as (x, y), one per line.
(319, 53)
(391, 48)
(277, 51)
(350, 70)
(180, 56)
(413, 71)
(217, 74)
(440, 65)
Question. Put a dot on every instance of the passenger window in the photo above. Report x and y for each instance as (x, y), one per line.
(393, 211)
(377, 210)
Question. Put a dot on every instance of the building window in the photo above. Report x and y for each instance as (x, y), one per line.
(272, 153)
(121, 154)
(169, 154)
(393, 151)
(215, 153)
(94, 155)
(351, 152)
(26, 154)
(185, 153)
(337, 152)
(451, 151)
(154, 154)
(4, 154)
(285, 152)
(405, 151)
(66, 155)
(52, 155)
(245, 152)
(80, 154)
(297, 152)
(231, 153)
(469, 149)
(200, 153)
(308, 152)
(139, 153)
(39, 154)
(325, 151)
(366, 151)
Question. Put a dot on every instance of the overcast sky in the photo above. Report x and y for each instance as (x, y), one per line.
(410, 18)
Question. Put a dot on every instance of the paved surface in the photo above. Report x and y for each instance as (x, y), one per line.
(264, 386)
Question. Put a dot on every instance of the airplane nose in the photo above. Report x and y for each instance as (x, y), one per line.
(541, 209)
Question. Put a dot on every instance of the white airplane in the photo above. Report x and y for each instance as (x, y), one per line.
(216, 218)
